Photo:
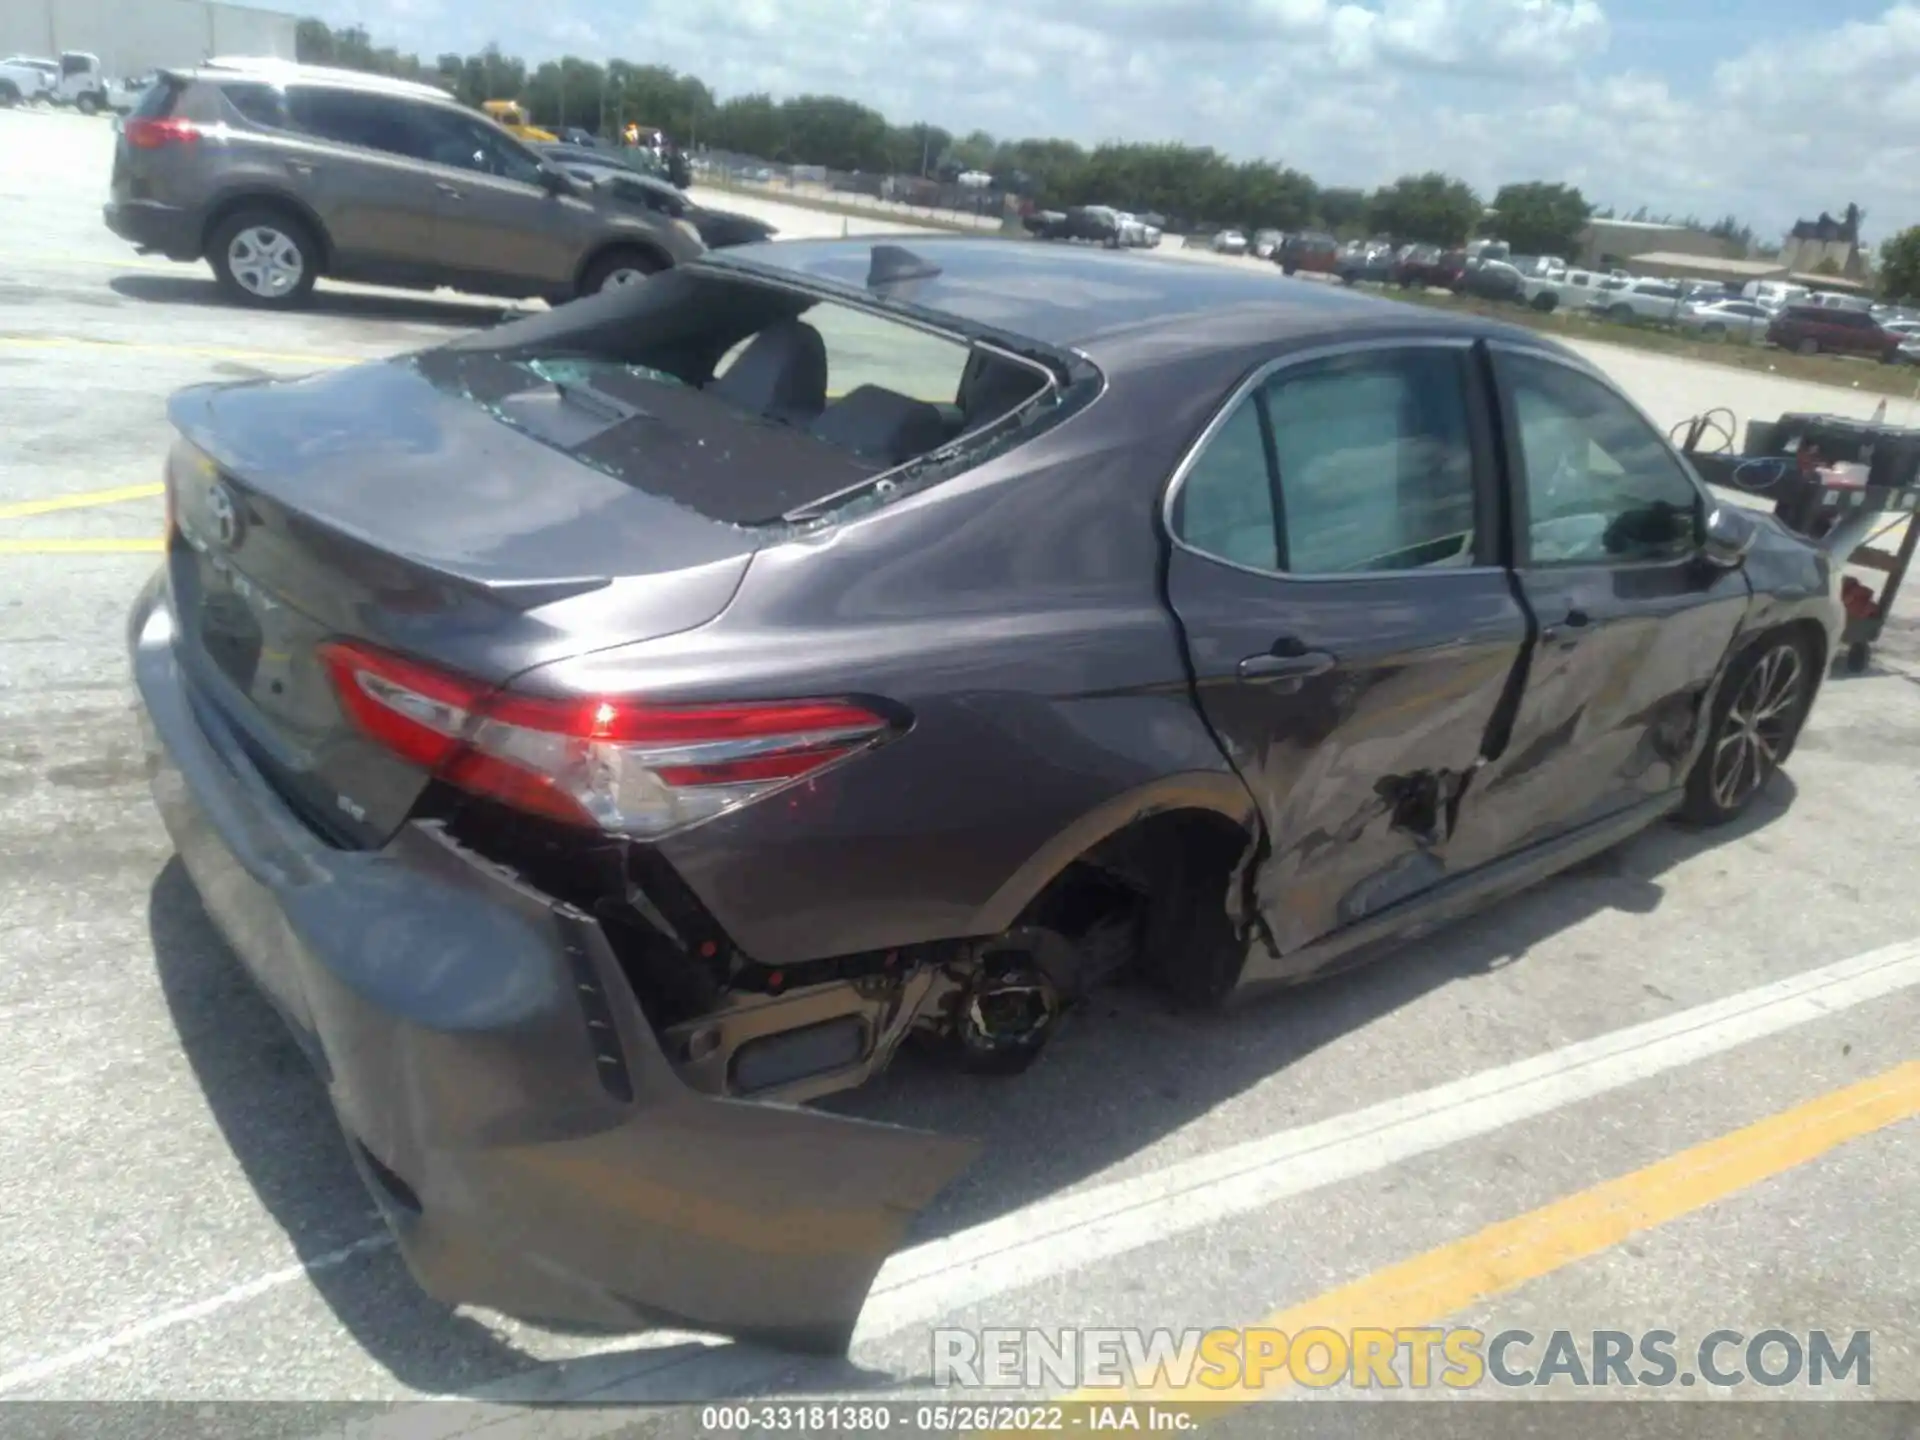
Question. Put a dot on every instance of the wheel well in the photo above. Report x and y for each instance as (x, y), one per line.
(614, 247)
(1176, 879)
(225, 208)
(1808, 631)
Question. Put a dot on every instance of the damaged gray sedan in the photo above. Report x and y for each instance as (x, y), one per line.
(600, 734)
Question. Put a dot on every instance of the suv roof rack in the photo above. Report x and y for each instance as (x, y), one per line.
(273, 65)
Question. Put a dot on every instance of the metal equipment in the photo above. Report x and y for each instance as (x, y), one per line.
(1843, 483)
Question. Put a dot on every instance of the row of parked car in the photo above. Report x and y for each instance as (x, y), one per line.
(1770, 312)
(1099, 225)
(386, 182)
(76, 79)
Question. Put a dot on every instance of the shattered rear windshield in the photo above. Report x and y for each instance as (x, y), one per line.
(750, 404)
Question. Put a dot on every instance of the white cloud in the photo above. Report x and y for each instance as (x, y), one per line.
(1491, 37)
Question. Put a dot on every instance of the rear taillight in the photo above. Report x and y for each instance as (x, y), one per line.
(156, 134)
(620, 764)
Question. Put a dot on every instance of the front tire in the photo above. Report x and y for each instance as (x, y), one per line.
(87, 105)
(1757, 717)
(265, 258)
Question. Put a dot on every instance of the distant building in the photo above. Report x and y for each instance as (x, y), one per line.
(1828, 245)
(132, 37)
(1605, 244)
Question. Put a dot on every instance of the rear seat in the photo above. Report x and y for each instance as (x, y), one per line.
(881, 425)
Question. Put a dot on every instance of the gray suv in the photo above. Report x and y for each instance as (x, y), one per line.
(277, 174)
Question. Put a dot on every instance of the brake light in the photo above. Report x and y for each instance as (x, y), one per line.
(156, 134)
(619, 764)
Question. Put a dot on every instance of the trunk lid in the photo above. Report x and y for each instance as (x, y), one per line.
(370, 505)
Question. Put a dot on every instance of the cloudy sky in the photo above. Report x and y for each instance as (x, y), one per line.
(1767, 109)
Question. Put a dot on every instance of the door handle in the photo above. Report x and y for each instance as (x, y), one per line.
(300, 167)
(452, 192)
(1568, 632)
(1286, 671)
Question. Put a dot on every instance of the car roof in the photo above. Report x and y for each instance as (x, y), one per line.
(290, 72)
(1078, 299)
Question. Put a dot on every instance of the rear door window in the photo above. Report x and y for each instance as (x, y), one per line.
(354, 117)
(1225, 506)
(262, 104)
(1375, 463)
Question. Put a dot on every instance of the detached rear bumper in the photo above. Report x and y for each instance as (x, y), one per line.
(506, 1101)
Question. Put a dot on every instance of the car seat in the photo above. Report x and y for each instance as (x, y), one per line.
(782, 374)
(882, 425)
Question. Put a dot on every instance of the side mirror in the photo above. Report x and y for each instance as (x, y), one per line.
(554, 180)
(1730, 535)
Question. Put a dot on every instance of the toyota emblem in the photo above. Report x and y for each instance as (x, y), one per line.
(224, 513)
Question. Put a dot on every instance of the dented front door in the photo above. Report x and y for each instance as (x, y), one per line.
(1632, 626)
(1350, 641)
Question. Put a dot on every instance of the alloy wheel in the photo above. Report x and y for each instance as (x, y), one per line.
(1757, 727)
(266, 262)
(625, 275)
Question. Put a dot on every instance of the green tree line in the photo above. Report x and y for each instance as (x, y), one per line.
(1190, 185)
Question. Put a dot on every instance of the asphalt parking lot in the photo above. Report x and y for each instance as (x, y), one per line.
(179, 1219)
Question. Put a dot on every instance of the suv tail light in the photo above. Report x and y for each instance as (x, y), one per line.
(617, 763)
(155, 134)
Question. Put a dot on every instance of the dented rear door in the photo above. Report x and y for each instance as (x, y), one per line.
(1351, 638)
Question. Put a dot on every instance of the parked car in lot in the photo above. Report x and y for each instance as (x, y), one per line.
(586, 730)
(1742, 320)
(1429, 266)
(279, 176)
(1810, 329)
(1775, 294)
(82, 84)
(1265, 242)
(1561, 289)
(1641, 299)
(27, 78)
(1490, 280)
(1230, 242)
(1097, 223)
(1136, 233)
(1370, 263)
(1314, 251)
(718, 228)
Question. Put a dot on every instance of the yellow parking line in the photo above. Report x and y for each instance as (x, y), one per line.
(1428, 1288)
(82, 547)
(84, 500)
(210, 352)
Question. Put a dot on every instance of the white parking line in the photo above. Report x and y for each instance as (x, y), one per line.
(100, 1348)
(1058, 1236)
